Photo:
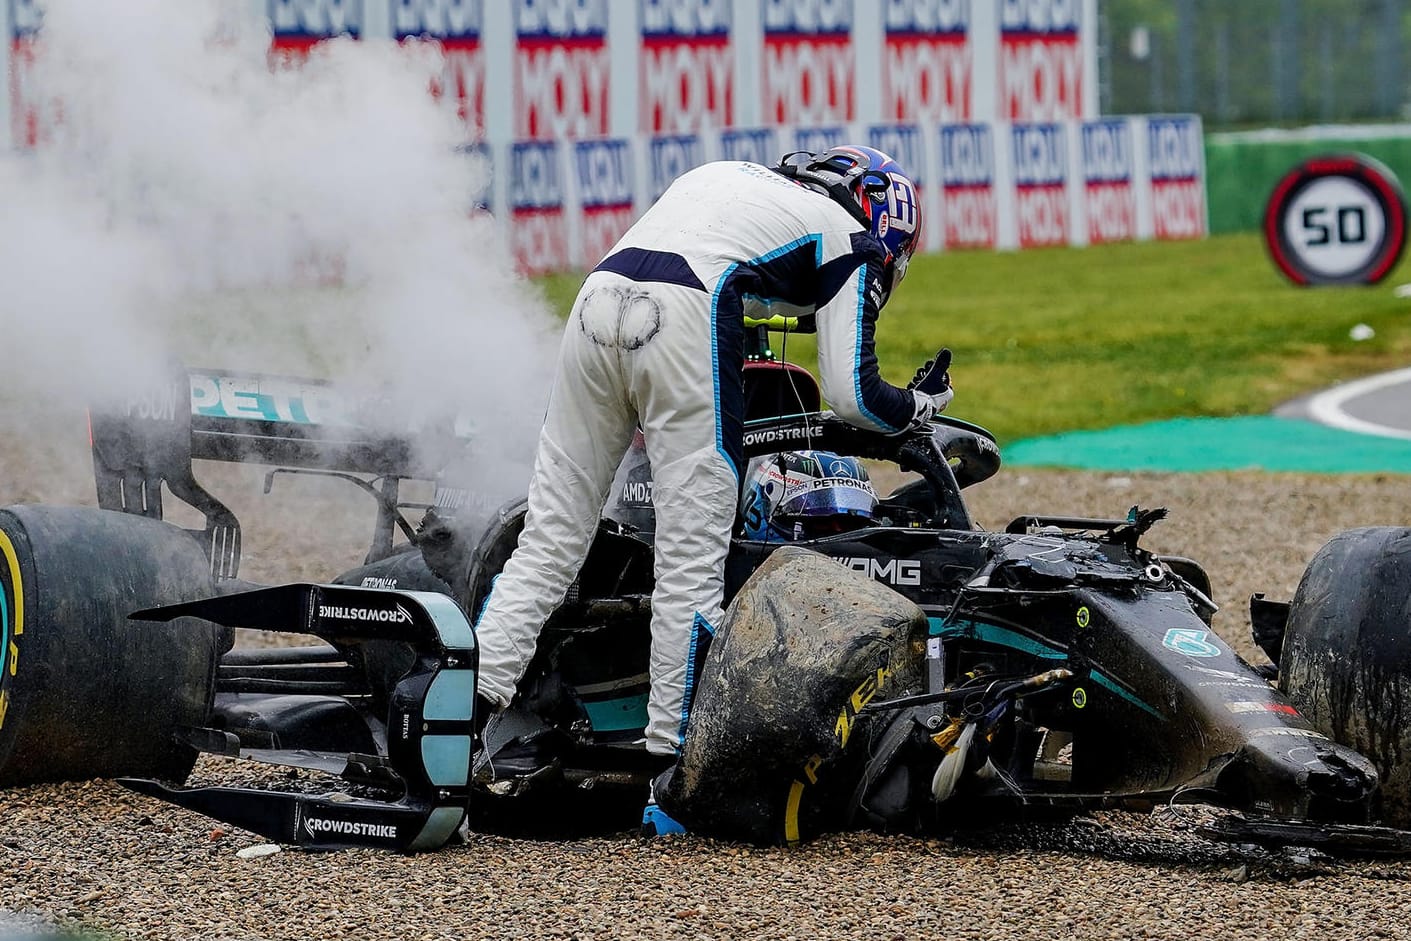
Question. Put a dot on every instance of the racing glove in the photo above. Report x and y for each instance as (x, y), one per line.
(931, 387)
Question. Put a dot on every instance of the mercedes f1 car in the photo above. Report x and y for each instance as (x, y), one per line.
(887, 677)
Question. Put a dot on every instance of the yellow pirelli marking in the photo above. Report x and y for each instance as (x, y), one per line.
(7, 549)
(12, 655)
(791, 812)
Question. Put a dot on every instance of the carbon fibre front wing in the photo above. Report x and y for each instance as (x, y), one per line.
(413, 795)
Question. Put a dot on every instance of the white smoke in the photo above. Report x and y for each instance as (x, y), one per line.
(190, 200)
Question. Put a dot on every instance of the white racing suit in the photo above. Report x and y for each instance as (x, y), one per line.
(656, 336)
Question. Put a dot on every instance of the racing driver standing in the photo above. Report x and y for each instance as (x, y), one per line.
(656, 338)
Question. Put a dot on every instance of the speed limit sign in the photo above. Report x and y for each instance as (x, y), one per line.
(1337, 219)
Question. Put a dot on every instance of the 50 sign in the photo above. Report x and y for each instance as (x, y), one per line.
(1336, 220)
(1351, 226)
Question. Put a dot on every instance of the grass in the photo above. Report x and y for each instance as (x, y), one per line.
(1063, 339)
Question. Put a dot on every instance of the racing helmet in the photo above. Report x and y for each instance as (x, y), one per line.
(874, 189)
(804, 495)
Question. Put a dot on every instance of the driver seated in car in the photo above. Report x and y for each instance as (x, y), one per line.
(798, 495)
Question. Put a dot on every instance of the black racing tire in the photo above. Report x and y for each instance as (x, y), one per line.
(1346, 657)
(84, 692)
(497, 543)
(776, 746)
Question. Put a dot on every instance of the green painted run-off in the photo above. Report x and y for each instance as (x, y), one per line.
(1215, 444)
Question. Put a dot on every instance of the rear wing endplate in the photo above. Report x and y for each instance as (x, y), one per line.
(152, 438)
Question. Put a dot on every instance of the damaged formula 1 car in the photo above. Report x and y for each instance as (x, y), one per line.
(894, 677)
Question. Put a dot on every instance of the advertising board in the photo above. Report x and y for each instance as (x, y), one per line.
(687, 66)
(1040, 161)
(296, 25)
(538, 223)
(809, 70)
(603, 172)
(1108, 174)
(981, 101)
(755, 144)
(670, 156)
(456, 26)
(1176, 158)
(1040, 60)
(561, 69)
(927, 61)
(969, 216)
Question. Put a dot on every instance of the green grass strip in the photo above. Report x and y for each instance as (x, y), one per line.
(1067, 339)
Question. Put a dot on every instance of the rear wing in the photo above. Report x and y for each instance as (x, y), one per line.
(309, 425)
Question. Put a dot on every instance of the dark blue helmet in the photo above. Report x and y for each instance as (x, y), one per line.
(871, 186)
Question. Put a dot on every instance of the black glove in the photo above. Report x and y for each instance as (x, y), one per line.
(933, 380)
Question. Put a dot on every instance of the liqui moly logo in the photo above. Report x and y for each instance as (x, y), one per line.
(687, 65)
(967, 155)
(603, 171)
(1175, 149)
(1040, 183)
(809, 74)
(1107, 181)
(561, 68)
(1040, 158)
(1040, 17)
(298, 24)
(928, 63)
(926, 17)
(754, 145)
(812, 17)
(1107, 152)
(560, 19)
(536, 178)
(445, 20)
(538, 232)
(1040, 60)
(669, 157)
(816, 140)
(1175, 153)
(968, 215)
(901, 142)
(456, 25)
(688, 19)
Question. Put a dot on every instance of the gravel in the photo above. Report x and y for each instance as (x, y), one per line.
(94, 857)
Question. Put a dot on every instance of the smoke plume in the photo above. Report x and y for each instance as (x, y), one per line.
(189, 200)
